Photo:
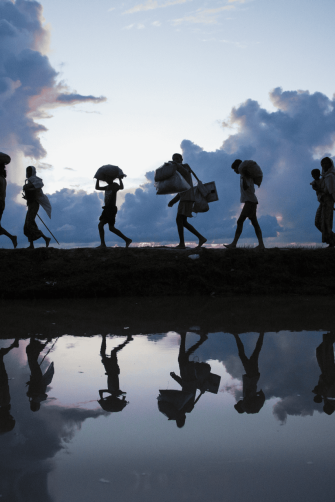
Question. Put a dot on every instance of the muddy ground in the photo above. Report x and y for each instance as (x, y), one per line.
(119, 272)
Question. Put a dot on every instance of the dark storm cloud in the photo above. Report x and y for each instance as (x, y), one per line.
(28, 82)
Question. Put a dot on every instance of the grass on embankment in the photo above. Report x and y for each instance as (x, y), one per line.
(80, 273)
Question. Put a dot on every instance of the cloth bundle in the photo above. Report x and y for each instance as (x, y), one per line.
(169, 181)
(108, 173)
(251, 169)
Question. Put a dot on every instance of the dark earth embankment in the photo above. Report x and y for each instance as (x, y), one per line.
(89, 273)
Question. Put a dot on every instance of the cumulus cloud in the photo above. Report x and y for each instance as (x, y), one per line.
(287, 143)
(28, 82)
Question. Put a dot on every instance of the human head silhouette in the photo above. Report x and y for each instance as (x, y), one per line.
(235, 165)
(326, 163)
(316, 173)
(177, 157)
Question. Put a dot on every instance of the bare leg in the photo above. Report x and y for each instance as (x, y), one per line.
(13, 238)
(238, 232)
(102, 235)
(183, 223)
(180, 226)
(120, 234)
(258, 232)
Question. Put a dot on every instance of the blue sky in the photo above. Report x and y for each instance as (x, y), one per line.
(126, 82)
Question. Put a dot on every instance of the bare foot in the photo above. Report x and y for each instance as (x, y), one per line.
(180, 246)
(47, 241)
(14, 241)
(102, 246)
(128, 242)
(201, 242)
(260, 248)
(31, 246)
(230, 246)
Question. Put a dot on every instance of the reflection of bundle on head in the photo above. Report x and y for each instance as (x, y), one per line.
(113, 404)
(7, 422)
(252, 404)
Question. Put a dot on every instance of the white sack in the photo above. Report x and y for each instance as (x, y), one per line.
(251, 168)
(108, 172)
(165, 171)
(175, 184)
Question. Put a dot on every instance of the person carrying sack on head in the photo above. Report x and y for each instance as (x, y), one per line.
(4, 160)
(185, 206)
(249, 210)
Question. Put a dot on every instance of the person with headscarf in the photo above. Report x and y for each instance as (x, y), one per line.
(4, 160)
(324, 214)
(35, 197)
(253, 400)
(7, 422)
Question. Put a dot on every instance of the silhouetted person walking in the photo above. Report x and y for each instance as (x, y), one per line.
(34, 197)
(253, 400)
(185, 205)
(38, 382)
(326, 385)
(112, 403)
(249, 209)
(325, 212)
(7, 422)
(3, 186)
(108, 214)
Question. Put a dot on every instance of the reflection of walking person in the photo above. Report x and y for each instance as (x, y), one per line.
(112, 402)
(38, 382)
(108, 214)
(325, 212)
(34, 197)
(185, 205)
(325, 388)
(193, 376)
(249, 210)
(3, 186)
(7, 422)
(253, 400)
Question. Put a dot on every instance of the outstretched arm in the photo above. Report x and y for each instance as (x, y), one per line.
(174, 200)
(176, 378)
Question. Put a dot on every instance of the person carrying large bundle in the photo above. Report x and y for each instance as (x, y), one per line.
(108, 174)
(248, 197)
(4, 160)
(35, 197)
(186, 200)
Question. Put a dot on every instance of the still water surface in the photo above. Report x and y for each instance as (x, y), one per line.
(236, 420)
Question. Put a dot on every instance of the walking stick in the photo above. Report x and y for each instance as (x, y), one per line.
(48, 229)
(52, 346)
